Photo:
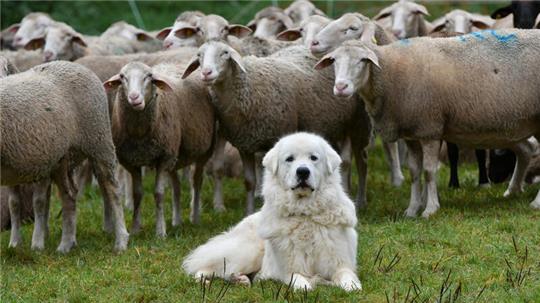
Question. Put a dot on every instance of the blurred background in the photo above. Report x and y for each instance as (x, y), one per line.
(93, 17)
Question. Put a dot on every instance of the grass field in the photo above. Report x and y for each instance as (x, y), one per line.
(479, 247)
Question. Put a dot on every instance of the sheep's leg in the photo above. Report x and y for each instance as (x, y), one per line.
(415, 158)
(481, 155)
(453, 159)
(108, 185)
(430, 163)
(14, 202)
(248, 162)
(159, 190)
(524, 151)
(127, 188)
(196, 183)
(218, 162)
(69, 215)
(392, 155)
(137, 193)
(177, 208)
(40, 201)
(346, 164)
(361, 167)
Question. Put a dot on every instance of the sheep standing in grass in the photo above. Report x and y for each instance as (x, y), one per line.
(160, 121)
(58, 115)
(468, 104)
(258, 100)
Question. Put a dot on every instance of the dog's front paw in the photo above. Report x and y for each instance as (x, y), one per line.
(300, 282)
(351, 285)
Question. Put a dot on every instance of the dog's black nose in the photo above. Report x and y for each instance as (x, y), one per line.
(302, 173)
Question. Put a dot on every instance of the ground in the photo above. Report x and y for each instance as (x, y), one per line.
(479, 247)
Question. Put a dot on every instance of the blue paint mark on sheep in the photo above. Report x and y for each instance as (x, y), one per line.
(478, 35)
(405, 42)
(502, 38)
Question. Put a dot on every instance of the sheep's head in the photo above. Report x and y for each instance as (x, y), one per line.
(60, 43)
(216, 60)
(127, 31)
(32, 26)
(405, 17)
(306, 31)
(269, 22)
(212, 28)
(138, 84)
(462, 22)
(349, 27)
(300, 10)
(184, 20)
(352, 62)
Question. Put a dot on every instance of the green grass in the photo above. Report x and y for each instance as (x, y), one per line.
(469, 241)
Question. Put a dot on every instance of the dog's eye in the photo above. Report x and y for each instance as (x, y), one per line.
(289, 159)
(313, 158)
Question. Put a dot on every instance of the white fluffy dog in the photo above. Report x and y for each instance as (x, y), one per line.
(304, 233)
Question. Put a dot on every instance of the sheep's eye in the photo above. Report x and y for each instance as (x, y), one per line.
(289, 159)
(353, 28)
(272, 18)
(313, 158)
(198, 29)
(225, 53)
(301, 29)
(122, 76)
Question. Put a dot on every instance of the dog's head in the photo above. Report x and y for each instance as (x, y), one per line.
(301, 162)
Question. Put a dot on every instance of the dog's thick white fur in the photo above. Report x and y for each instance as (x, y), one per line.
(304, 233)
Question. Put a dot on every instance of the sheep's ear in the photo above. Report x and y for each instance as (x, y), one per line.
(289, 35)
(270, 160)
(163, 33)
(236, 58)
(79, 40)
(35, 43)
(286, 21)
(142, 36)
(185, 32)
(384, 13)
(482, 22)
(333, 160)
(239, 31)
(161, 82)
(419, 9)
(252, 25)
(325, 62)
(502, 12)
(193, 65)
(372, 57)
(112, 83)
(438, 25)
(368, 34)
(13, 28)
(319, 12)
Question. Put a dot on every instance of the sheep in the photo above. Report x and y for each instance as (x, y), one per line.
(32, 26)
(63, 122)
(62, 42)
(141, 40)
(524, 13)
(269, 21)
(352, 26)
(407, 19)
(306, 31)
(185, 19)
(300, 10)
(468, 104)
(463, 22)
(23, 59)
(6, 37)
(258, 100)
(153, 125)
(212, 27)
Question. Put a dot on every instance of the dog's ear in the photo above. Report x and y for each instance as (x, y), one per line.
(270, 160)
(333, 160)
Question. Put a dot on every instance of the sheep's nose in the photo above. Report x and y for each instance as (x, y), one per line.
(18, 39)
(314, 43)
(133, 96)
(302, 173)
(167, 44)
(48, 55)
(341, 86)
(206, 71)
(398, 33)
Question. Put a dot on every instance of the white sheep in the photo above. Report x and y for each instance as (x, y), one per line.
(300, 10)
(406, 19)
(460, 21)
(185, 19)
(407, 97)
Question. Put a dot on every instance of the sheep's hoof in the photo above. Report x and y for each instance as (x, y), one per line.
(219, 207)
(195, 219)
(38, 245)
(410, 213)
(121, 242)
(484, 185)
(509, 192)
(65, 247)
(176, 222)
(161, 234)
(108, 227)
(14, 243)
(135, 228)
(397, 181)
(428, 212)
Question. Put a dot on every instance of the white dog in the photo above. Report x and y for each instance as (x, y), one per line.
(304, 233)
